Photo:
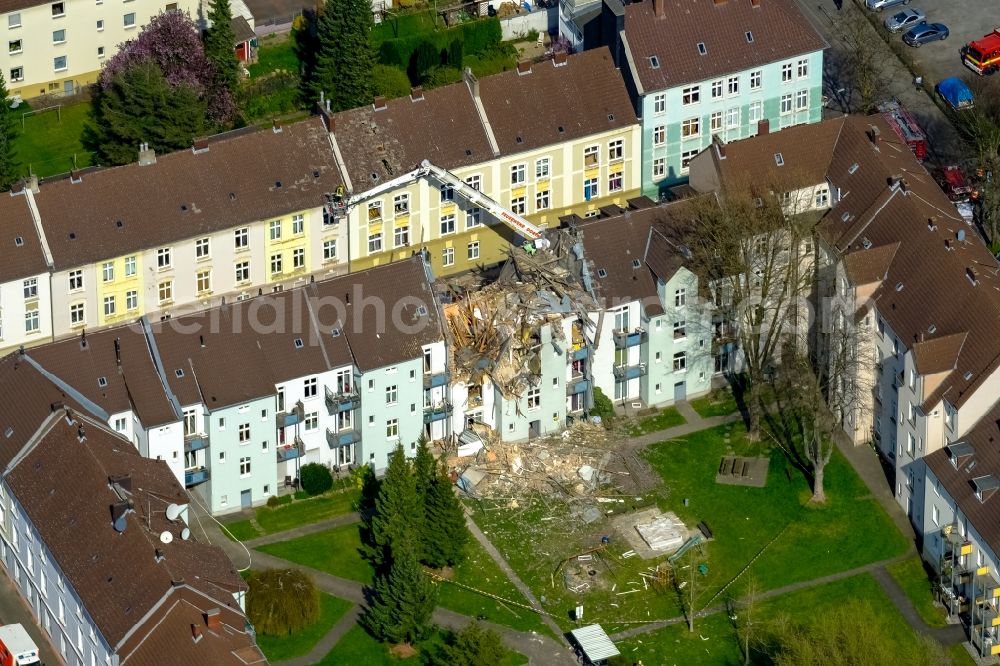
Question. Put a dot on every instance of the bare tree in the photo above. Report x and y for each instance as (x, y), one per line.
(743, 616)
(864, 53)
(688, 588)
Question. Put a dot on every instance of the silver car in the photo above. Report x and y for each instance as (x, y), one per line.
(904, 19)
(879, 5)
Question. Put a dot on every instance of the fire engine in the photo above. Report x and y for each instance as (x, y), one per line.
(16, 647)
(982, 56)
(905, 127)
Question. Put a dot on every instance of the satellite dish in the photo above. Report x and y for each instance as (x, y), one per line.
(185, 534)
(173, 511)
(166, 537)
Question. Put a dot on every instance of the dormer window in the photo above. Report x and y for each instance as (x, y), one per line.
(985, 486)
(959, 453)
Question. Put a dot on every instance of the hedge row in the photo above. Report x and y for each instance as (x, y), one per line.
(472, 38)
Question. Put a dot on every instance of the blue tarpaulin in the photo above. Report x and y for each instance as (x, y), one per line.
(956, 93)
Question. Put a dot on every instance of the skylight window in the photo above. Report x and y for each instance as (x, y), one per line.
(749, 37)
(899, 286)
(18, 241)
(852, 168)
(636, 263)
(779, 159)
(298, 343)
(102, 381)
(654, 62)
(422, 310)
(335, 333)
(967, 376)
(845, 217)
(179, 372)
(702, 49)
(601, 273)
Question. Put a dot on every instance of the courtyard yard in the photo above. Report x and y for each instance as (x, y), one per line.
(49, 143)
(272, 520)
(280, 648)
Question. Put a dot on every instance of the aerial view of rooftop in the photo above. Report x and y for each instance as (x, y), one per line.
(500, 333)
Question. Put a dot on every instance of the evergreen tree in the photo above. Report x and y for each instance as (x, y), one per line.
(472, 646)
(8, 132)
(397, 514)
(404, 599)
(220, 48)
(138, 105)
(424, 467)
(344, 59)
(446, 533)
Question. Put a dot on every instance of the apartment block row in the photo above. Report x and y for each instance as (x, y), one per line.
(96, 539)
(907, 302)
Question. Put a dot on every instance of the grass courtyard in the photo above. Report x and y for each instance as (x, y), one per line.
(280, 648)
(850, 530)
(719, 402)
(50, 139)
(300, 512)
(668, 417)
(357, 647)
(914, 581)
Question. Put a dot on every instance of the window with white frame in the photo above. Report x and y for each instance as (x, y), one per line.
(660, 103)
(786, 72)
(30, 288)
(401, 204)
(659, 135)
(391, 395)
(163, 258)
(310, 387)
(108, 271)
(755, 80)
(401, 236)
(935, 515)
(659, 167)
(165, 290)
(542, 200)
(615, 182)
(473, 250)
(16, 74)
(76, 314)
(822, 197)
(59, 64)
(276, 263)
(518, 205)
(473, 217)
(715, 122)
(691, 95)
(542, 166)
(131, 300)
(109, 306)
(274, 229)
(801, 100)
(755, 112)
(616, 150)
(591, 156)
(329, 250)
(517, 174)
(680, 297)
(244, 433)
(691, 128)
(375, 211)
(241, 238)
(591, 188)
(686, 157)
(802, 68)
(680, 329)
(534, 398)
(448, 256)
(374, 243)
(201, 248)
(14, 20)
(786, 103)
(129, 20)
(475, 181)
(242, 272)
(298, 224)
(733, 117)
(245, 467)
(75, 280)
(447, 224)
(31, 321)
(59, 36)
(733, 85)
(298, 258)
(203, 281)
(392, 429)
(311, 421)
(680, 362)
(717, 89)
(447, 192)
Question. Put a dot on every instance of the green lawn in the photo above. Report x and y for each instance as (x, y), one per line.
(296, 514)
(335, 551)
(403, 25)
(668, 417)
(912, 577)
(960, 656)
(274, 53)
(49, 141)
(719, 402)
(279, 648)
(714, 638)
(357, 647)
(541, 538)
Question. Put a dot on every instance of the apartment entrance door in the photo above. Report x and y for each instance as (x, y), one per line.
(246, 500)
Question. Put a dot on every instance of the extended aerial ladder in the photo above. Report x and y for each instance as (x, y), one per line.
(342, 201)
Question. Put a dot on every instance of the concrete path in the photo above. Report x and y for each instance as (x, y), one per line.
(952, 634)
(325, 644)
(694, 424)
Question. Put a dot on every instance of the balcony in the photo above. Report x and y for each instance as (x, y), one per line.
(192, 477)
(342, 400)
(626, 372)
(291, 451)
(437, 412)
(344, 437)
(435, 379)
(579, 384)
(294, 417)
(624, 339)
(579, 354)
(195, 442)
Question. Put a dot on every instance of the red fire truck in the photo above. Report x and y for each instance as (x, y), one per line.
(982, 56)
(905, 127)
(16, 647)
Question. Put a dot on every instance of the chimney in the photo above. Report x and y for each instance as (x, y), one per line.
(147, 155)
(720, 146)
(81, 435)
(763, 126)
(195, 633)
(276, 126)
(328, 121)
(416, 94)
(904, 186)
(948, 245)
(660, 8)
(471, 81)
(213, 619)
(524, 67)
(755, 3)
(159, 556)
(32, 184)
(560, 59)
(379, 103)
(74, 176)
(932, 224)
(56, 406)
(200, 145)
(874, 135)
(970, 273)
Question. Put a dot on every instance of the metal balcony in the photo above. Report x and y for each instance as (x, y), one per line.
(342, 401)
(195, 442)
(577, 385)
(291, 451)
(625, 339)
(435, 379)
(626, 372)
(437, 412)
(342, 437)
(294, 417)
(579, 354)
(192, 477)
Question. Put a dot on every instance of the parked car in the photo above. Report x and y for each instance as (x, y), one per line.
(905, 19)
(879, 5)
(954, 91)
(920, 34)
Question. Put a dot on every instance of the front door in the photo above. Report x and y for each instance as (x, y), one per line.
(680, 392)
(68, 87)
(534, 429)
(245, 499)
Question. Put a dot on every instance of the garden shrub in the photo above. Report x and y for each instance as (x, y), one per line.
(315, 478)
(390, 82)
(282, 601)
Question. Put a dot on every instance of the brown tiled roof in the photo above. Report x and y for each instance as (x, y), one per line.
(586, 95)
(927, 293)
(805, 154)
(443, 127)
(984, 438)
(131, 380)
(184, 195)
(169, 632)
(868, 266)
(938, 354)
(387, 326)
(220, 360)
(780, 31)
(63, 486)
(26, 259)
(16, 5)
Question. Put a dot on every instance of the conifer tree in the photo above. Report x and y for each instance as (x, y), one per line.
(404, 599)
(424, 467)
(397, 514)
(344, 60)
(445, 534)
(220, 48)
(8, 132)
